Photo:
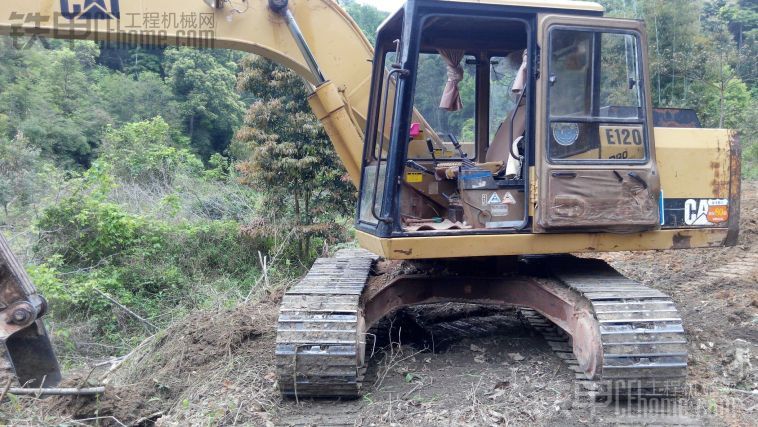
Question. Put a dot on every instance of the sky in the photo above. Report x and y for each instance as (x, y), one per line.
(387, 5)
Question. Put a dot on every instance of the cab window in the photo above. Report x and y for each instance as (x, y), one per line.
(439, 74)
(595, 97)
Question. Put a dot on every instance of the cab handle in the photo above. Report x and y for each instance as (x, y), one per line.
(639, 179)
(564, 175)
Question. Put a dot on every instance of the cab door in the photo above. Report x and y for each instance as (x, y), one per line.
(596, 154)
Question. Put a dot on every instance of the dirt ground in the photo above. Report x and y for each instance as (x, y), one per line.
(452, 365)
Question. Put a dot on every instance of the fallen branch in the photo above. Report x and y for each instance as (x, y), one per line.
(126, 309)
(88, 391)
(734, 390)
(148, 418)
(121, 360)
(6, 388)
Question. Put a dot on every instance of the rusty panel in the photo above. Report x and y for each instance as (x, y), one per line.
(735, 190)
(694, 163)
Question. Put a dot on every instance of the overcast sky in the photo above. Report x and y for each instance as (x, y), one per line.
(388, 5)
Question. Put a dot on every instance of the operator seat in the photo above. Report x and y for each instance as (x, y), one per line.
(500, 149)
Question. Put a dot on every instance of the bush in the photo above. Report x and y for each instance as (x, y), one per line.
(149, 265)
(148, 151)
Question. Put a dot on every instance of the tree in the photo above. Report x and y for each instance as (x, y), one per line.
(134, 98)
(367, 17)
(19, 167)
(147, 152)
(49, 99)
(288, 156)
(209, 105)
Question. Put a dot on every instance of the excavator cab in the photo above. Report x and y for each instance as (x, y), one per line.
(513, 99)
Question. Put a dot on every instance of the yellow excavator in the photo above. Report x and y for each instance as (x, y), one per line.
(488, 140)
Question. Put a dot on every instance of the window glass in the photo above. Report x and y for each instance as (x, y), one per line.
(595, 97)
(386, 108)
(374, 170)
(431, 80)
(619, 83)
(571, 73)
(502, 100)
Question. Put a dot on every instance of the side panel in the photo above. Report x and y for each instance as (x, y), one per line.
(698, 176)
(532, 244)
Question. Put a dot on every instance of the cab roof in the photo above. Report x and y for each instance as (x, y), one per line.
(567, 6)
(576, 5)
(547, 4)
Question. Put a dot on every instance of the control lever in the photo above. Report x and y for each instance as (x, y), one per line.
(414, 165)
(457, 145)
(430, 147)
(464, 156)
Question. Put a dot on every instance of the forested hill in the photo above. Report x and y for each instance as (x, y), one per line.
(170, 178)
(63, 96)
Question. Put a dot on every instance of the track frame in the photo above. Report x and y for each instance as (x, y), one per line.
(618, 329)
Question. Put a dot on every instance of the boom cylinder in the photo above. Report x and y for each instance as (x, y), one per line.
(280, 6)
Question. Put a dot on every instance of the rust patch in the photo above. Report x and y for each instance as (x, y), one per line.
(717, 182)
(735, 189)
(681, 241)
(408, 252)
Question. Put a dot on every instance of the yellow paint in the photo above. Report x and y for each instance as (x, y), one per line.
(414, 177)
(520, 244)
(329, 107)
(620, 142)
(693, 163)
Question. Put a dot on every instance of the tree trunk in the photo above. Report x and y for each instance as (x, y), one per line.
(298, 223)
(191, 127)
(722, 92)
(309, 221)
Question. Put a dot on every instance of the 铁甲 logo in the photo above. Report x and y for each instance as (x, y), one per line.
(90, 9)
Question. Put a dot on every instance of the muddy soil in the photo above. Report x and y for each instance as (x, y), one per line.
(445, 364)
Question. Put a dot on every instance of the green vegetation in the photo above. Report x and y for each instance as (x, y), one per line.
(167, 178)
(704, 55)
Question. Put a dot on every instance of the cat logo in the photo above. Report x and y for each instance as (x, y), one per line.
(706, 211)
(90, 9)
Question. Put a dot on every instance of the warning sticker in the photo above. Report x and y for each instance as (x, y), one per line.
(499, 210)
(414, 177)
(494, 199)
(508, 199)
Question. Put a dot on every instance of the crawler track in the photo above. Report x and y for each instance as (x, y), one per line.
(633, 333)
(644, 345)
(320, 342)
